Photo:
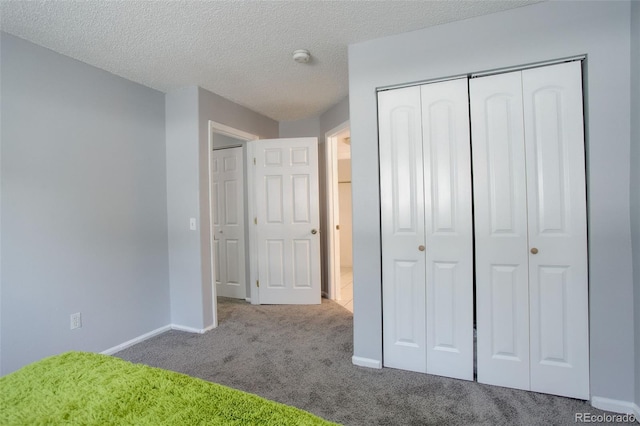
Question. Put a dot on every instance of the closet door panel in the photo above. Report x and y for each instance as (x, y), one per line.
(402, 204)
(554, 140)
(499, 181)
(448, 221)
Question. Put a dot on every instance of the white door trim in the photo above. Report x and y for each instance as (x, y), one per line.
(251, 206)
(219, 128)
(215, 127)
(331, 195)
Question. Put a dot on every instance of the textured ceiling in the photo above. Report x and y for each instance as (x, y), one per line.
(240, 50)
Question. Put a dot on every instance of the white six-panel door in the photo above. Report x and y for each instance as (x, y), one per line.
(530, 219)
(287, 220)
(228, 222)
(425, 191)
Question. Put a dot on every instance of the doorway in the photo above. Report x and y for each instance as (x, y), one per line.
(228, 221)
(282, 218)
(229, 218)
(339, 215)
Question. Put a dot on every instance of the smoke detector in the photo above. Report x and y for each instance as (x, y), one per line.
(301, 56)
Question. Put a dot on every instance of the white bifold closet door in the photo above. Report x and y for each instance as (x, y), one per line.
(530, 230)
(427, 252)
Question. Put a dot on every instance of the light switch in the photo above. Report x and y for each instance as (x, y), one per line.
(192, 223)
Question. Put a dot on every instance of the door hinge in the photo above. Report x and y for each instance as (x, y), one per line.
(254, 161)
(255, 220)
(257, 283)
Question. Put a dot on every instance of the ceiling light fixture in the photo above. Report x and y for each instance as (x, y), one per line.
(301, 56)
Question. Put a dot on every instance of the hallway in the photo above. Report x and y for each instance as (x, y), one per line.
(346, 288)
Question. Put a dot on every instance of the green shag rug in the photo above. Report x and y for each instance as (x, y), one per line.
(92, 389)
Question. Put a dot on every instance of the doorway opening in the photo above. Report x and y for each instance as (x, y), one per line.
(339, 216)
(228, 215)
(271, 233)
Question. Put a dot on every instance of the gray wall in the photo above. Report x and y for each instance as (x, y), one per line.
(216, 108)
(188, 113)
(182, 203)
(529, 34)
(334, 116)
(635, 175)
(309, 127)
(84, 225)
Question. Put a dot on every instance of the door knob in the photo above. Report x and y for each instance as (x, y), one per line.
(314, 231)
(220, 231)
(421, 247)
(534, 251)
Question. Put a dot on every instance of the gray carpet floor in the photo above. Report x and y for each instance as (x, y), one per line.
(301, 356)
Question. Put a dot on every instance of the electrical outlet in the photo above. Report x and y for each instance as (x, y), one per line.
(192, 224)
(76, 320)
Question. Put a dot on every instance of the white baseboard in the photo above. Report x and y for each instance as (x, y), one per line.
(616, 406)
(208, 328)
(155, 332)
(247, 299)
(191, 329)
(366, 362)
(135, 340)
(325, 294)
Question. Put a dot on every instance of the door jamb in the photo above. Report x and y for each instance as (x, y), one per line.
(331, 185)
(254, 293)
(223, 129)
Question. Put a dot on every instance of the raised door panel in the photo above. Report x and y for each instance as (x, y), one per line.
(233, 262)
(301, 199)
(232, 213)
(216, 261)
(449, 228)
(554, 138)
(274, 266)
(407, 304)
(501, 253)
(287, 214)
(302, 260)
(273, 189)
(402, 204)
